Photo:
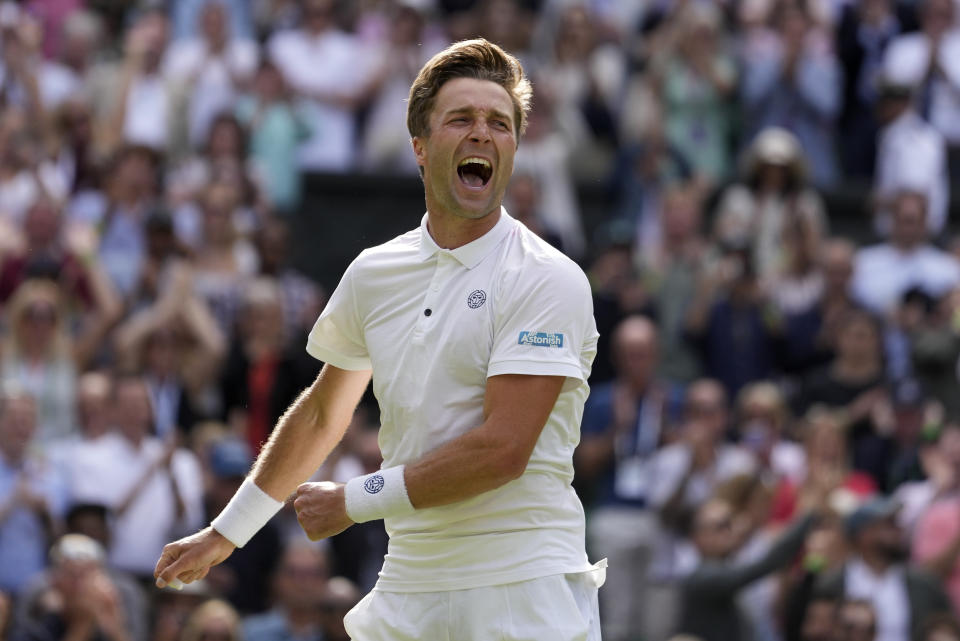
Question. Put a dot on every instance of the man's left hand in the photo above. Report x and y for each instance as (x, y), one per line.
(321, 509)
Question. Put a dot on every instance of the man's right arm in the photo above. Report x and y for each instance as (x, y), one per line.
(304, 436)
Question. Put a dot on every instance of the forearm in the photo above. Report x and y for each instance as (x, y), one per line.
(460, 469)
(303, 438)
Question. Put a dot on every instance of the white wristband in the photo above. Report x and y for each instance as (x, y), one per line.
(247, 512)
(377, 496)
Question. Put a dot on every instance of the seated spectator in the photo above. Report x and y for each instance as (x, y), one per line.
(772, 197)
(300, 585)
(153, 489)
(39, 354)
(809, 333)
(935, 542)
(214, 619)
(819, 623)
(855, 383)
(794, 82)
(883, 273)
(826, 462)
(91, 520)
(31, 495)
(710, 593)
(939, 456)
(172, 609)
(762, 420)
(687, 470)
(213, 66)
(730, 313)
(261, 374)
(904, 597)
(77, 600)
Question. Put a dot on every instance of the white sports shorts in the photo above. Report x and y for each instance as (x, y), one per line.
(561, 607)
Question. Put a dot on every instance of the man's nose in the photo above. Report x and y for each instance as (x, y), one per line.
(480, 131)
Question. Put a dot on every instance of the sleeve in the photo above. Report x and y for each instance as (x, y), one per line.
(545, 325)
(337, 336)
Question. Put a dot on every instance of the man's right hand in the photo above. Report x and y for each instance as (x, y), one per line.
(190, 558)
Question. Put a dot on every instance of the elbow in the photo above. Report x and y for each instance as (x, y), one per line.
(511, 463)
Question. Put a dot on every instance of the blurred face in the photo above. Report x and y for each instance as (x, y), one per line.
(218, 206)
(268, 83)
(302, 578)
(937, 17)
(162, 354)
(225, 139)
(72, 576)
(909, 221)
(883, 538)
(38, 323)
(837, 264)
(949, 447)
(93, 406)
(680, 217)
(133, 411)
(318, 15)
(819, 621)
(467, 158)
(217, 628)
(635, 351)
(856, 622)
(707, 404)
(42, 225)
(213, 23)
(826, 444)
(18, 424)
(714, 532)
(858, 340)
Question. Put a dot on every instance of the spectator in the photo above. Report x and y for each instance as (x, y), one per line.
(930, 60)
(624, 424)
(687, 469)
(302, 297)
(30, 495)
(212, 68)
(78, 600)
(173, 608)
(341, 595)
(214, 619)
(278, 125)
(152, 488)
(862, 36)
(142, 103)
(261, 373)
(762, 421)
(710, 592)
(856, 621)
(794, 82)
(939, 458)
(178, 347)
(819, 622)
(944, 628)
(332, 88)
(884, 272)
(935, 540)
(670, 272)
(855, 383)
(772, 199)
(694, 77)
(911, 155)
(903, 596)
(300, 585)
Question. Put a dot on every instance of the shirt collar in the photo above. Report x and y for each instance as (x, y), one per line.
(472, 253)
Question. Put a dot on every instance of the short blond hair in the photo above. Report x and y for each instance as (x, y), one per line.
(478, 59)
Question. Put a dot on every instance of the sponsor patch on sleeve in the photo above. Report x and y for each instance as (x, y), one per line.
(541, 339)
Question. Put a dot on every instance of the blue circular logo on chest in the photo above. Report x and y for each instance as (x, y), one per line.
(476, 298)
(374, 484)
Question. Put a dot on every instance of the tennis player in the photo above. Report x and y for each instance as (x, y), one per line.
(479, 338)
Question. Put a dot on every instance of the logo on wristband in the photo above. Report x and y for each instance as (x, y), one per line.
(374, 484)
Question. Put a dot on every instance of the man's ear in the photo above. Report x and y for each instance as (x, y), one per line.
(419, 151)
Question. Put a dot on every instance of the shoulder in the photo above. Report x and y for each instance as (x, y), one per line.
(531, 262)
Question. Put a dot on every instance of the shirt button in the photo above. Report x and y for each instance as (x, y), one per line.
(427, 312)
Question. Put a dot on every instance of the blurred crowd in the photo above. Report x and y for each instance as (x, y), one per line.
(771, 447)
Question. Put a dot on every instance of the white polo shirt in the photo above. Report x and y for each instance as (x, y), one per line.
(434, 324)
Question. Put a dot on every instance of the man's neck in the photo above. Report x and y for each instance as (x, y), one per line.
(449, 231)
(876, 563)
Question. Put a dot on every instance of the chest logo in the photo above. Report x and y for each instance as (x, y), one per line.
(540, 339)
(374, 484)
(476, 298)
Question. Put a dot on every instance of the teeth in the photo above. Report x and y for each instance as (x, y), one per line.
(479, 161)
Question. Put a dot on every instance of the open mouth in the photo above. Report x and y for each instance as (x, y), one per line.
(474, 172)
